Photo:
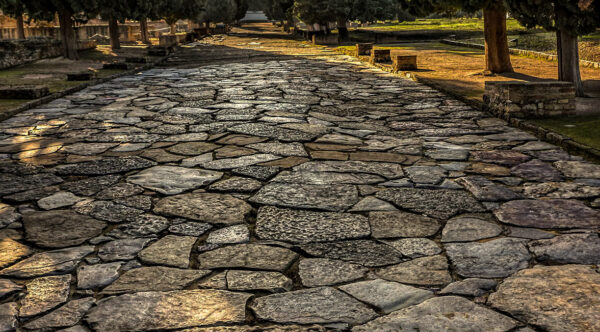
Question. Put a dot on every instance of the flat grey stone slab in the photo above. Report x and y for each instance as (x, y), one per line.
(229, 235)
(447, 313)
(486, 190)
(424, 271)
(48, 262)
(65, 316)
(244, 161)
(493, 259)
(123, 249)
(321, 197)
(395, 224)
(207, 207)
(60, 228)
(301, 226)
(8, 316)
(465, 229)
(440, 203)
(415, 247)
(105, 166)
(58, 200)
(143, 225)
(554, 298)
(154, 278)
(44, 294)
(324, 178)
(568, 249)
(578, 169)
(170, 180)
(387, 296)
(315, 272)
(168, 310)
(171, 250)
(548, 214)
(282, 134)
(323, 305)
(364, 252)
(239, 280)
(98, 275)
(249, 256)
(388, 170)
(470, 287)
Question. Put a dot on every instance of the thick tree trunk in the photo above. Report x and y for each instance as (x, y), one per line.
(144, 34)
(20, 27)
(342, 28)
(113, 30)
(174, 28)
(497, 54)
(67, 35)
(568, 61)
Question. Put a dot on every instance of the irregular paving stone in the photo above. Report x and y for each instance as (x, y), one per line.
(299, 226)
(529, 233)
(258, 172)
(105, 166)
(465, 228)
(121, 190)
(171, 250)
(231, 151)
(108, 211)
(168, 310)
(322, 178)
(548, 214)
(190, 228)
(87, 149)
(239, 162)
(44, 294)
(229, 235)
(425, 174)
(60, 228)
(249, 256)
(552, 298)
(8, 316)
(12, 251)
(321, 197)
(8, 215)
(287, 150)
(323, 305)
(90, 186)
(388, 170)
(387, 296)
(501, 157)
(144, 225)
(568, 249)
(125, 249)
(536, 170)
(258, 280)
(154, 278)
(170, 180)
(10, 184)
(212, 208)
(99, 275)
(58, 200)
(401, 224)
(65, 316)
(8, 287)
(470, 287)
(578, 169)
(282, 134)
(237, 184)
(424, 271)
(364, 252)
(415, 247)
(447, 313)
(494, 259)
(48, 262)
(315, 272)
(371, 203)
(486, 190)
(562, 190)
(440, 203)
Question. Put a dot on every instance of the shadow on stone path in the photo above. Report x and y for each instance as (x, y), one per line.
(294, 192)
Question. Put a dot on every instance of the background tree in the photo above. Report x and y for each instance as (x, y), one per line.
(314, 12)
(570, 19)
(114, 11)
(142, 10)
(279, 10)
(373, 10)
(15, 9)
(241, 8)
(175, 10)
(223, 11)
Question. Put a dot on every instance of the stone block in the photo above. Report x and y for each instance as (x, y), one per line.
(117, 65)
(81, 76)
(404, 62)
(380, 56)
(158, 51)
(167, 40)
(136, 59)
(23, 92)
(364, 49)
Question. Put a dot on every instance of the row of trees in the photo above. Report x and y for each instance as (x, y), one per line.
(114, 11)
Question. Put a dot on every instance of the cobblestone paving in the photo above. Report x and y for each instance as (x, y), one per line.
(296, 194)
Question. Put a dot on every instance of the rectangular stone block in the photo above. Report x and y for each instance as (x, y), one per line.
(364, 49)
(380, 56)
(116, 65)
(23, 92)
(167, 40)
(158, 51)
(136, 59)
(404, 62)
(83, 76)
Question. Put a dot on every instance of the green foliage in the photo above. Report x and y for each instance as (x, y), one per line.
(223, 11)
(556, 15)
(322, 11)
(241, 9)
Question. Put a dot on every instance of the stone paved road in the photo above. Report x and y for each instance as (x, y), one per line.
(289, 194)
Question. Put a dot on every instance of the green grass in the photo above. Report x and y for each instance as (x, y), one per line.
(458, 24)
(583, 129)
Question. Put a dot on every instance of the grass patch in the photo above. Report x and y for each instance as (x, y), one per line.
(8, 104)
(457, 24)
(583, 129)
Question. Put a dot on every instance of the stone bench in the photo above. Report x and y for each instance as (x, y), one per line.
(167, 40)
(325, 39)
(23, 92)
(364, 49)
(82, 76)
(159, 51)
(380, 56)
(402, 61)
(529, 99)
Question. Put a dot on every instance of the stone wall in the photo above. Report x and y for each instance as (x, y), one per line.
(529, 99)
(17, 52)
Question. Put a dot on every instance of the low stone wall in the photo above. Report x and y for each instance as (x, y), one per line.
(518, 51)
(17, 52)
(529, 99)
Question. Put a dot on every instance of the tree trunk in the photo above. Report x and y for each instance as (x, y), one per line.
(568, 61)
(343, 28)
(144, 34)
(174, 28)
(113, 31)
(497, 54)
(67, 35)
(20, 27)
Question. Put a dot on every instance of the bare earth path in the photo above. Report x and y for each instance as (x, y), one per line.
(256, 184)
